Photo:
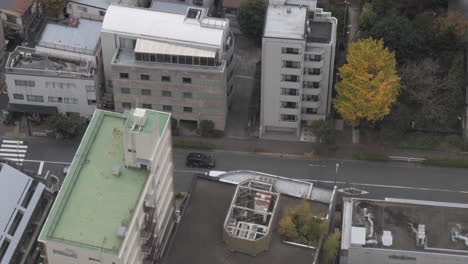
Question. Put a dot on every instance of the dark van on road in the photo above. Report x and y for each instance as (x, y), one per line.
(200, 160)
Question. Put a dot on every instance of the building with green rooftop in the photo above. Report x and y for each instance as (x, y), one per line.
(116, 204)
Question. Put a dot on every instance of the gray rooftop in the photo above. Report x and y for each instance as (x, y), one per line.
(199, 237)
(319, 32)
(102, 4)
(171, 7)
(14, 186)
(285, 21)
(402, 218)
(83, 38)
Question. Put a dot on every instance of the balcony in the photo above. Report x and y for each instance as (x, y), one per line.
(311, 91)
(312, 78)
(311, 104)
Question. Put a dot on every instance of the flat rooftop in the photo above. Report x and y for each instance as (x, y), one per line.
(440, 219)
(84, 38)
(285, 21)
(26, 58)
(92, 203)
(319, 32)
(102, 4)
(165, 26)
(171, 7)
(199, 239)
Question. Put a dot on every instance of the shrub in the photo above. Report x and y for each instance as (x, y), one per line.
(192, 144)
(207, 129)
(324, 131)
(69, 126)
(330, 248)
(453, 163)
(372, 157)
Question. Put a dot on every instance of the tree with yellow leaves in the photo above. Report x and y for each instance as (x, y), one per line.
(369, 82)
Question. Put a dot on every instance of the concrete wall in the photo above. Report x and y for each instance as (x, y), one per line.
(382, 256)
(76, 10)
(40, 89)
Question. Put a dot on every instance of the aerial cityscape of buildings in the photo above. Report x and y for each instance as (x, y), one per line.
(202, 131)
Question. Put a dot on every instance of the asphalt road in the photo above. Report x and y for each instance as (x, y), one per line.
(376, 180)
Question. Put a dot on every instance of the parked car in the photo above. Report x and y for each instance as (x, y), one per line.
(200, 160)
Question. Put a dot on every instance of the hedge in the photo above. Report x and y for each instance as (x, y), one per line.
(453, 163)
(176, 143)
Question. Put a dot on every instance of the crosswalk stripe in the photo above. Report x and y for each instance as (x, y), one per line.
(12, 155)
(14, 146)
(12, 159)
(13, 150)
(13, 141)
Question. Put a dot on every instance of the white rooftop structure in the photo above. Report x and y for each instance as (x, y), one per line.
(171, 7)
(164, 26)
(285, 21)
(84, 38)
(104, 4)
(17, 203)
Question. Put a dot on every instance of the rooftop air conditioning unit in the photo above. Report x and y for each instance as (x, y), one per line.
(139, 116)
(121, 231)
(116, 170)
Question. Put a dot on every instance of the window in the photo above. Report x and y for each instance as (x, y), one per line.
(186, 80)
(313, 71)
(187, 95)
(90, 88)
(24, 83)
(198, 2)
(83, 9)
(144, 77)
(11, 18)
(95, 260)
(126, 105)
(16, 221)
(4, 248)
(291, 64)
(147, 106)
(167, 108)
(123, 75)
(316, 85)
(18, 96)
(289, 78)
(315, 57)
(127, 44)
(309, 111)
(70, 100)
(59, 85)
(288, 118)
(102, 13)
(66, 252)
(145, 92)
(125, 90)
(289, 91)
(54, 99)
(166, 93)
(34, 98)
(285, 104)
(91, 102)
(165, 78)
(188, 109)
(290, 50)
(307, 97)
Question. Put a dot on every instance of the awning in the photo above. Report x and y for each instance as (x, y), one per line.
(157, 47)
(40, 109)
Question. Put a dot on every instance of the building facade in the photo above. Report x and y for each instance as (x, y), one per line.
(49, 83)
(22, 18)
(298, 53)
(117, 202)
(96, 10)
(23, 208)
(170, 62)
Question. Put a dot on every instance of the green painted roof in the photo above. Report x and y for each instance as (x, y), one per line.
(93, 203)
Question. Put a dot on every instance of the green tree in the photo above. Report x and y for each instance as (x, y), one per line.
(369, 82)
(324, 131)
(288, 228)
(207, 129)
(330, 248)
(69, 126)
(53, 8)
(367, 18)
(251, 17)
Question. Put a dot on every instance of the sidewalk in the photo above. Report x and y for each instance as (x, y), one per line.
(299, 148)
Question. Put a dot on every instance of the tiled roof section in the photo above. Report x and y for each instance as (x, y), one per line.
(19, 6)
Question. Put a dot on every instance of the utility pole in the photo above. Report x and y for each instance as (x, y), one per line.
(336, 171)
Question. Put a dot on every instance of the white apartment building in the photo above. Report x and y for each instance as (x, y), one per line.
(44, 82)
(117, 202)
(179, 63)
(298, 53)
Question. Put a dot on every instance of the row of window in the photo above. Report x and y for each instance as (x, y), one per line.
(294, 105)
(25, 83)
(176, 59)
(51, 99)
(295, 92)
(296, 78)
(128, 105)
(125, 90)
(295, 51)
(146, 77)
(293, 118)
(60, 85)
(57, 85)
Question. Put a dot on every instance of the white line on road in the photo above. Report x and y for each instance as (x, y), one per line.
(14, 146)
(46, 161)
(39, 172)
(13, 141)
(12, 155)
(245, 77)
(189, 171)
(13, 150)
(316, 165)
(388, 186)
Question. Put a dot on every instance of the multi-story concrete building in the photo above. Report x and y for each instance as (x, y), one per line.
(179, 63)
(22, 17)
(298, 53)
(96, 9)
(44, 82)
(117, 202)
(403, 231)
(23, 209)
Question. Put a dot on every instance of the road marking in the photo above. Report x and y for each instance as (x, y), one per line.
(13, 150)
(388, 186)
(13, 141)
(316, 165)
(46, 161)
(189, 171)
(12, 155)
(41, 166)
(14, 146)
(46, 175)
(352, 191)
(245, 77)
